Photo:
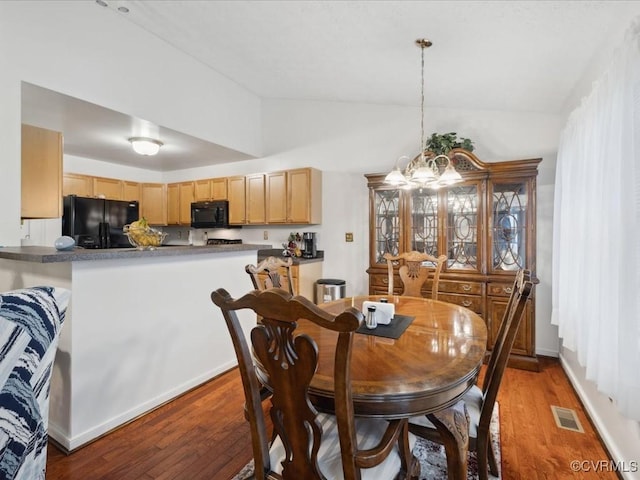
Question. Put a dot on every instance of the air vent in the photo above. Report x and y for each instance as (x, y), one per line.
(567, 419)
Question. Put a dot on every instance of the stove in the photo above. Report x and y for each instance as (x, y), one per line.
(223, 241)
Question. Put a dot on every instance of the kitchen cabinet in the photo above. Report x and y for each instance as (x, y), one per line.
(179, 199)
(109, 188)
(294, 196)
(173, 204)
(219, 188)
(130, 190)
(41, 182)
(202, 190)
(210, 189)
(485, 225)
(237, 200)
(75, 184)
(276, 197)
(304, 196)
(185, 190)
(256, 211)
(153, 205)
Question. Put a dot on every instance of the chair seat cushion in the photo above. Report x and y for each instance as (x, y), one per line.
(369, 431)
(472, 399)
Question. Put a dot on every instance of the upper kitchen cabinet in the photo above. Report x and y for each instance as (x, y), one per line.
(256, 211)
(179, 199)
(41, 173)
(153, 204)
(294, 196)
(304, 196)
(276, 197)
(219, 188)
(185, 190)
(485, 225)
(76, 184)
(237, 200)
(109, 188)
(130, 191)
(210, 189)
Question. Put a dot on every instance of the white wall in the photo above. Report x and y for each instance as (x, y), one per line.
(86, 51)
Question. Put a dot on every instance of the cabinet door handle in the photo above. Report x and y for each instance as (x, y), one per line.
(467, 303)
(508, 289)
(466, 287)
(385, 281)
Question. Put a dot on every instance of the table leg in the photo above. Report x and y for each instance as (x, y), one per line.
(453, 426)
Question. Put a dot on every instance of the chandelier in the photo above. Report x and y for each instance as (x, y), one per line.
(433, 171)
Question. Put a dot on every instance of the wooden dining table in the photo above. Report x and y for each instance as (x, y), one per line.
(434, 362)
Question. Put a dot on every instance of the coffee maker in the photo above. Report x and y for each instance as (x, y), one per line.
(309, 242)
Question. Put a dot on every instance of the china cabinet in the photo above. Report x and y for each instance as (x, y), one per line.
(484, 224)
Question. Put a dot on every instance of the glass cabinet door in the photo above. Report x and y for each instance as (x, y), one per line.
(423, 231)
(386, 224)
(462, 227)
(509, 225)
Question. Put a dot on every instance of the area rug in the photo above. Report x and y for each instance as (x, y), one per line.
(433, 461)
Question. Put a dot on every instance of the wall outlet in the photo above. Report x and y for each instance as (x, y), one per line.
(266, 235)
(348, 237)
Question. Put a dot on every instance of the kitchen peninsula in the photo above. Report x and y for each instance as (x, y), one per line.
(140, 330)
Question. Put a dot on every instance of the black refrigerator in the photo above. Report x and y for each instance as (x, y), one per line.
(96, 222)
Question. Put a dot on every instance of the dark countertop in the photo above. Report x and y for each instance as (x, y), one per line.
(275, 252)
(51, 255)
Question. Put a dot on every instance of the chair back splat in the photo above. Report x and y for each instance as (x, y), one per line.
(274, 268)
(287, 362)
(414, 273)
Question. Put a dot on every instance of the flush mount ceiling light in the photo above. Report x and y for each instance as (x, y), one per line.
(423, 171)
(145, 146)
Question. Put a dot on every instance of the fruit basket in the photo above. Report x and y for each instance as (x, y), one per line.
(144, 238)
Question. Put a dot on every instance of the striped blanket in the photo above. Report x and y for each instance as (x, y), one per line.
(30, 322)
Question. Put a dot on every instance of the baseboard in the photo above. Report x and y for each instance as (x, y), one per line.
(547, 353)
(69, 444)
(606, 437)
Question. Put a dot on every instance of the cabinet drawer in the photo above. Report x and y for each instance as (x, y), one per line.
(499, 289)
(472, 302)
(467, 288)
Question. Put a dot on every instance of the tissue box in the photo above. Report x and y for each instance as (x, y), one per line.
(384, 311)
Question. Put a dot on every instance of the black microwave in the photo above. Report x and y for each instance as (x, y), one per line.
(214, 214)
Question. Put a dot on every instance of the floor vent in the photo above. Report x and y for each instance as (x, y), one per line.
(567, 419)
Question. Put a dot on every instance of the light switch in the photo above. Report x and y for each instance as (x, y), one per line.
(348, 237)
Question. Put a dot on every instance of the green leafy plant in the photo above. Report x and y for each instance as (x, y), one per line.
(441, 144)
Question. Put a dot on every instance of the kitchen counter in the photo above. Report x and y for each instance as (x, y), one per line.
(274, 252)
(140, 330)
(51, 255)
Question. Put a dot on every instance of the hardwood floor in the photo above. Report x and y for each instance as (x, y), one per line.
(203, 435)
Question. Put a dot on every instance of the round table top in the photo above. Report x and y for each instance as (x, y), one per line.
(433, 363)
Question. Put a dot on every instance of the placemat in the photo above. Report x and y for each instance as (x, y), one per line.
(398, 325)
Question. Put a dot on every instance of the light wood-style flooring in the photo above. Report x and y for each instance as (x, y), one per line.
(203, 435)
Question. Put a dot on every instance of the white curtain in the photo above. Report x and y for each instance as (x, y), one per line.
(596, 244)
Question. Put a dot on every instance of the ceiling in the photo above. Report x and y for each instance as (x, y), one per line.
(493, 55)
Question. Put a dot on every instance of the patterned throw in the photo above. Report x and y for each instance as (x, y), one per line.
(30, 323)
(432, 458)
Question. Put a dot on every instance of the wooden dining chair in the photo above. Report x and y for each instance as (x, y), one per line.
(479, 402)
(308, 444)
(414, 273)
(269, 274)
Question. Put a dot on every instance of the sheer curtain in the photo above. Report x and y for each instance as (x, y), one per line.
(596, 244)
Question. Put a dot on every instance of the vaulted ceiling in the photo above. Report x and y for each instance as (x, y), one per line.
(523, 56)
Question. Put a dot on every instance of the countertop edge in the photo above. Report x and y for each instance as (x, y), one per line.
(36, 254)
